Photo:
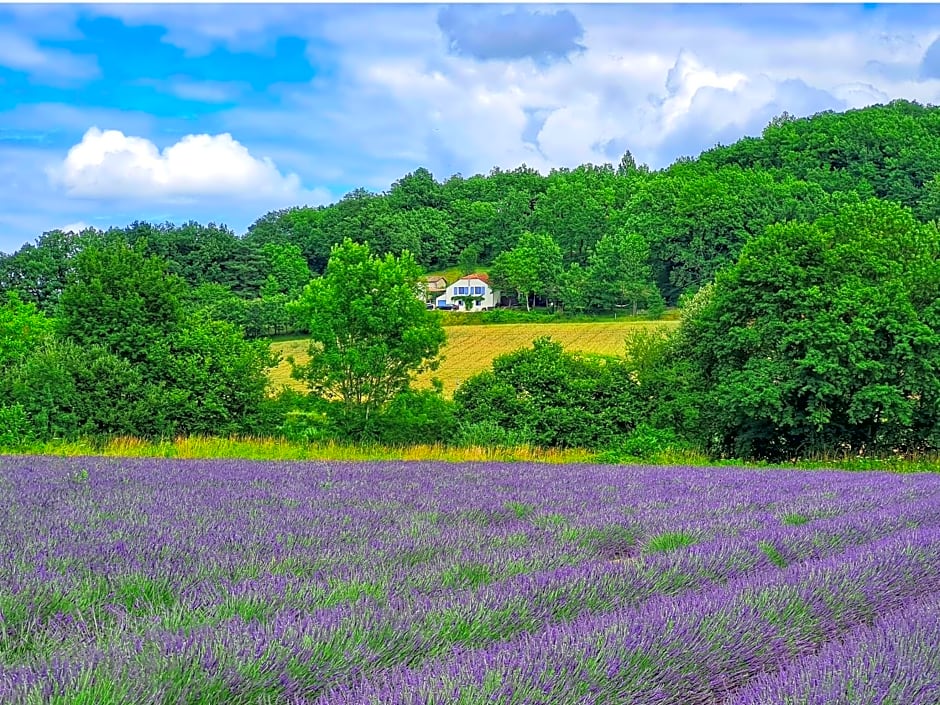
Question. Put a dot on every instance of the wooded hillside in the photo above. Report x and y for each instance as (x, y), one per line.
(694, 216)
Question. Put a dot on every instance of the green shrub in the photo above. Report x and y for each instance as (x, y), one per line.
(417, 417)
(644, 442)
(15, 428)
(553, 398)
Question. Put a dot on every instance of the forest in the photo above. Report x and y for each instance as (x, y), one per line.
(805, 263)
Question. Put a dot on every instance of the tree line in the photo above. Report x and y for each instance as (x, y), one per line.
(805, 264)
(616, 236)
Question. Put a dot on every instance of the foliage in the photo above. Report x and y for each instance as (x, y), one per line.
(532, 268)
(70, 391)
(824, 335)
(620, 273)
(124, 301)
(551, 397)
(221, 378)
(469, 258)
(369, 329)
(16, 429)
(289, 272)
(22, 329)
(594, 238)
(890, 149)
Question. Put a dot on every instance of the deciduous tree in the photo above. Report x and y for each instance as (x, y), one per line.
(369, 329)
(621, 273)
(824, 336)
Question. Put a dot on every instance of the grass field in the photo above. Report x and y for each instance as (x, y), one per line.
(471, 349)
(232, 581)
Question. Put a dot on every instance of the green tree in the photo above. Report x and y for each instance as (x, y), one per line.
(621, 273)
(424, 232)
(288, 268)
(575, 288)
(39, 271)
(823, 337)
(220, 378)
(369, 329)
(68, 391)
(126, 302)
(195, 375)
(532, 268)
(469, 258)
(23, 328)
(574, 211)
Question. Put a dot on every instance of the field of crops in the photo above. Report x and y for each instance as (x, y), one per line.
(471, 349)
(159, 581)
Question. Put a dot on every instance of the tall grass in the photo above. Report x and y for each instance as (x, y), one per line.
(254, 448)
(208, 447)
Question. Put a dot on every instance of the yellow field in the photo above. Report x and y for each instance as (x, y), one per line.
(471, 349)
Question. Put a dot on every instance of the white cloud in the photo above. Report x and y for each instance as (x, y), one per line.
(75, 227)
(661, 81)
(684, 81)
(110, 164)
(206, 91)
(21, 53)
(197, 28)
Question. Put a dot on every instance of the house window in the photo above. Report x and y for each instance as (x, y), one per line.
(462, 290)
(478, 290)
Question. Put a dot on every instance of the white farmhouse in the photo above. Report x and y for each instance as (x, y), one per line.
(470, 293)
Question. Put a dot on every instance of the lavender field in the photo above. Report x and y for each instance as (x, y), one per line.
(157, 581)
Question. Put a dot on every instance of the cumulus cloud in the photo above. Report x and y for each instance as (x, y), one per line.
(491, 33)
(469, 117)
(110, 164)
(75, 227)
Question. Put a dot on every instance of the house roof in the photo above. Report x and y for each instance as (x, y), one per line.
(432, 280)
(481, 276)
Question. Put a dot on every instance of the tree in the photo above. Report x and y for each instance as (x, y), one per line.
(627, 164)
(220, 377)
(621, 273)
(39, 272)
(67, 390)
(424, 232)
(23, 329)
(469, 258)
(288, 269)
(369, 329)
(126, 302)
(575, 288)
(533, 267)
(123, 312)
(824, 337)
(574, 211)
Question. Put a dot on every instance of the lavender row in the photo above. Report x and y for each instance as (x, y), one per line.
(693, 649)
(893, 660)
(143, 560)
(333, 528)
(360, 639)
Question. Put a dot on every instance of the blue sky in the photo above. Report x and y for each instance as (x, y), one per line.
(114, 113)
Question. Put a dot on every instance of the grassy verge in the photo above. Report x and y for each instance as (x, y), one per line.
(201, 447)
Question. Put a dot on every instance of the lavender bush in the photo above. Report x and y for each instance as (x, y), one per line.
(245, 582)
